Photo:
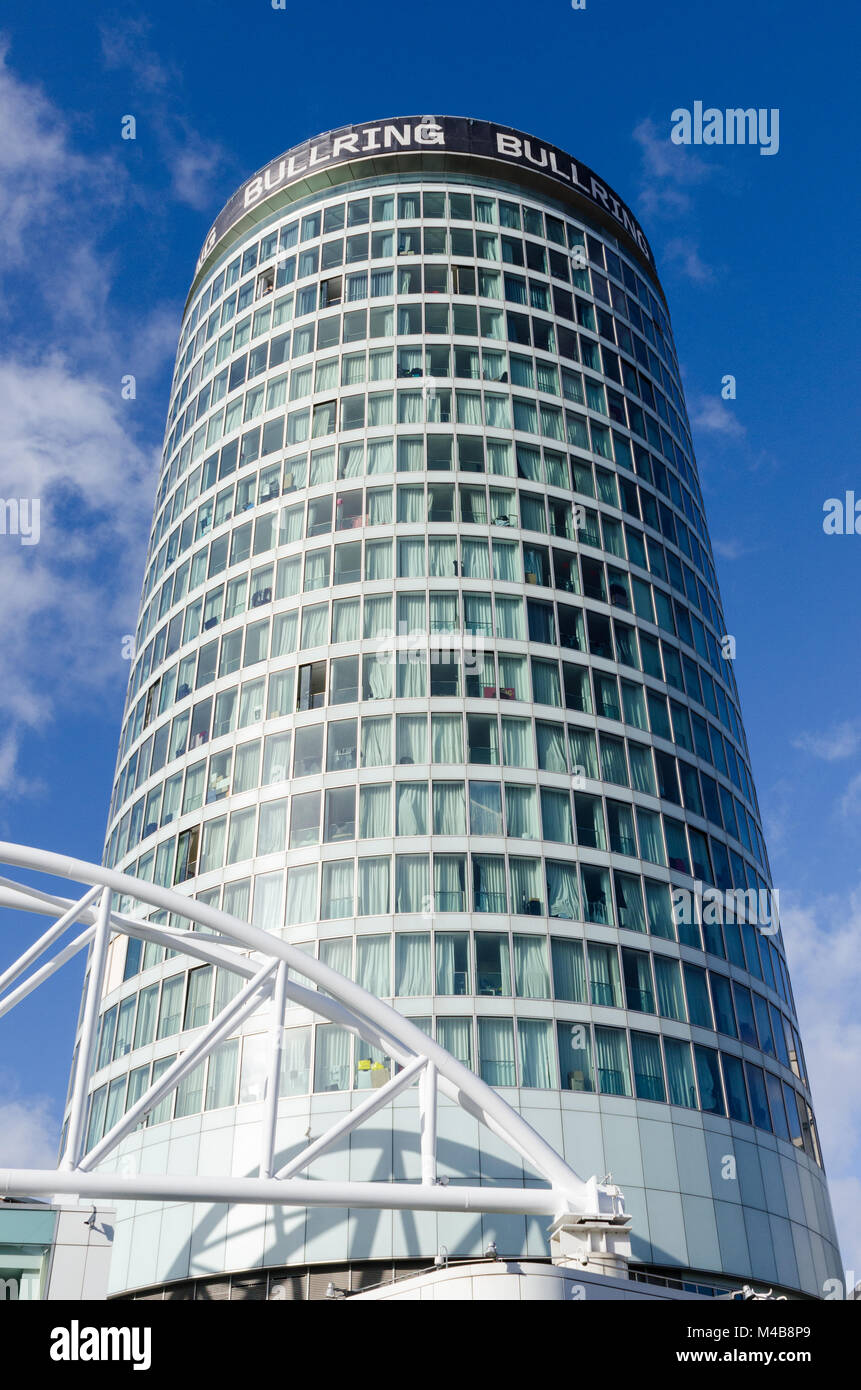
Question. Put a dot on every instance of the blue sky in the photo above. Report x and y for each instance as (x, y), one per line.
(98, 239)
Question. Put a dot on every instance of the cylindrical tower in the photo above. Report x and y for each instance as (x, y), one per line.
(431, 679)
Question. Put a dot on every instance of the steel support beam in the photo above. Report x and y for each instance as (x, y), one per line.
(292, 1192)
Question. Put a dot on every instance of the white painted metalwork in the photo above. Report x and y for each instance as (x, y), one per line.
(265, 963)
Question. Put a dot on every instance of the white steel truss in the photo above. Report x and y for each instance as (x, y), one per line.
(267, 968)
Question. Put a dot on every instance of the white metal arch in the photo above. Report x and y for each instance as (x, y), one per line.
(264, 964)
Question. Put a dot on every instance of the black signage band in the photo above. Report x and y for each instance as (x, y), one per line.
(432, 134)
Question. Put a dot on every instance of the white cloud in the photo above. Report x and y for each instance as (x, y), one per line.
(29, 1133)
(730, 550)
(193, 163)
(683, 255)
(39, 171)
(68, 600)
(124, 45)
(715, 415)
(668, 171)
(69, 439)
(841, 741)
(825, 965)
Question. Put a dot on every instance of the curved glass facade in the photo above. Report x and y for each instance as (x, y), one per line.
(429, 679)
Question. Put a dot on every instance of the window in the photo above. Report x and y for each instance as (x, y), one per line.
(604, 984)
(639, 994)
(305, 820)
(611, 1051)
(496, 1051)
(648, 1070)
(575, 1056)
(492, 965)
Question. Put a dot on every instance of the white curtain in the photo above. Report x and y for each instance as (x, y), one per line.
(512, 675)
(505, 561)
(476, 559)
(412, 885)
(521, 812)
(612, 1058)
(412, 808)
(452, 962)
(642, 770)
(455, 1035)
(485, 811)
(629, 901)
(497, 412)
(531, 978)
(509, 617)
(412, 963)
(469, 404)
(449, 808)
(381, 457)
(240, 841)
(671, 1002)
(412, 612)
(582, 747)
(332, 1058)
(377, 742)
(551, 747)
(443, 557)
(377, 677)
(411, 506)
(338, 954)
(352, 460)
(526, 888)
(412, 673)
(488, 882)
(284, 635)
(535, 1044)
(375, 814)
(477, 614)
(449, 872)
(221, 1075)
(410, 405)
(651, 841)
(556, 816)
(345, 620)
(212, 854)
(377, 615)
(563, 896)
(499, 458)
(379, 506)
(411, 557)
(447, 738)
(276, 759)
(268, 900)
(545, 682)
(315, 621)
(373, 968)
(301, 895)
(496, 1051)
(443, 612)
(517, 743)
(374, 887)
(295, 1061)
(290, 526)
(322, 467)
(411, 455)
(337, 897)
(569, 972)
(412, 738)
